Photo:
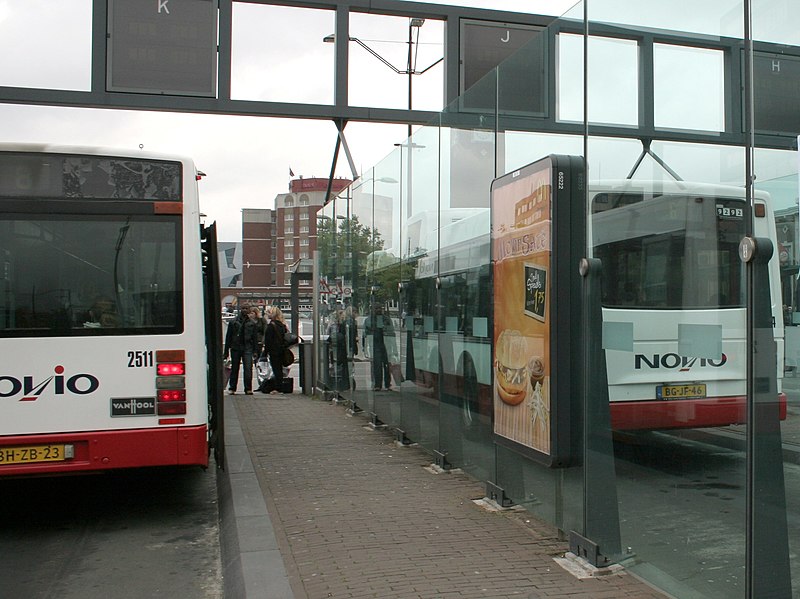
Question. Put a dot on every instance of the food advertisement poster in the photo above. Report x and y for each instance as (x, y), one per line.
(521, 259)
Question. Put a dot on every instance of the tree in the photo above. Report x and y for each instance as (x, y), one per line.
(344, 250)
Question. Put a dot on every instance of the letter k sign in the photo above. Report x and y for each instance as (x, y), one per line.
(162, 4)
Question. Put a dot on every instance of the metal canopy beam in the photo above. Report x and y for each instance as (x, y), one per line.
(47, 97)
(98, 97)
(342, 112)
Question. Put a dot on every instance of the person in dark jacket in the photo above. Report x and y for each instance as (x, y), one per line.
(241, 343)
(339, 378)
(261, 328)
(274, 346)
(378, 327)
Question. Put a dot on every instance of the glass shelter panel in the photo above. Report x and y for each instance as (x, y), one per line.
(374, 217)
(552, 494)
(327, 239)
(416, 373)
(684, 457)
(379, 332)
(462, 265)
(359, 248)
(674, 313)
(775, 440)
(715, 18)
(339, 326)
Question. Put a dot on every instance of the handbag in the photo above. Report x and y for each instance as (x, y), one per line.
(288, 357)
(397, 375)
(226, 371)
(264, 371)
(290, 339)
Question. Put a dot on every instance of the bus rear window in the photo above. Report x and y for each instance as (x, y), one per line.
(669, 252)
(90, 275)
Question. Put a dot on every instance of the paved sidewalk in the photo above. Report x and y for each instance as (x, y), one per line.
(355, 516)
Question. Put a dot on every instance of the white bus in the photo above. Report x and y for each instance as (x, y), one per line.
(670, 257)
(106, 304)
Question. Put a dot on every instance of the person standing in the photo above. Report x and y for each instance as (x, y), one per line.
(241, 344)
(274, 346)
(351, 325)
(337, 352)
(352, 332)
(378, 326)
(261, 329)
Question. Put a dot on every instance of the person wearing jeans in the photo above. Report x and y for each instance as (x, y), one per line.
(241, 343)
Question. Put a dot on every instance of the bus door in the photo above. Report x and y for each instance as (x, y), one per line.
(457, 377)
(213, 324)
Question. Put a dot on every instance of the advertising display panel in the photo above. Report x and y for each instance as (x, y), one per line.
(537, 236)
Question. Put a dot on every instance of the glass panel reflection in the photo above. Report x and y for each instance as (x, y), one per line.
(668, 238)
(774, 439)
(666, 218)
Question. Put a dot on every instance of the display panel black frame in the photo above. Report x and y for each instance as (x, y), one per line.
(561, 318)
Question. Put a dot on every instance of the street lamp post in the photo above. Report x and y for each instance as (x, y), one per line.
(414, 24)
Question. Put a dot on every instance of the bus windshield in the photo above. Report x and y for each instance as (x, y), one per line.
(73, 274)
(669, 252)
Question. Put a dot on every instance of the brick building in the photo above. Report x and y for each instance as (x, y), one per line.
(273, 240)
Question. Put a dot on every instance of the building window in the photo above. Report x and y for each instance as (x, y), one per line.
(305, 283)
(272, 270)
(304, 229)
(304, 242)
(288, 255)
(288, 230)
(287, 268)
(304, 254)
(230, 254)
(288, 217)
(304, 216)
(303, 200)
(289, 242)
(289, 202)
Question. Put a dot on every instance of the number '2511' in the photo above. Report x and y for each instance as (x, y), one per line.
(140, 359)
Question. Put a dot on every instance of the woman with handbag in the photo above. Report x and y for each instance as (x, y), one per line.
(274, 346)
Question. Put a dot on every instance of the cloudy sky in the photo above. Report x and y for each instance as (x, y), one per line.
(46, 43)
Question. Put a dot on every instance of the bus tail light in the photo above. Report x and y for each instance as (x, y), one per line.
(171, 369)
(171, 408)
(172, 395)
(170, 384)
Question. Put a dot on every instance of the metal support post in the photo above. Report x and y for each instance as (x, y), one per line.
(600, 540)
(498, 495)
(768, 568)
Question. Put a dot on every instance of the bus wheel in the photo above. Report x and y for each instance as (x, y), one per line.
(469, 397)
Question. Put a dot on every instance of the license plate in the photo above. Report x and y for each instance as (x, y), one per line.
(31, 454)
(695, 391)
